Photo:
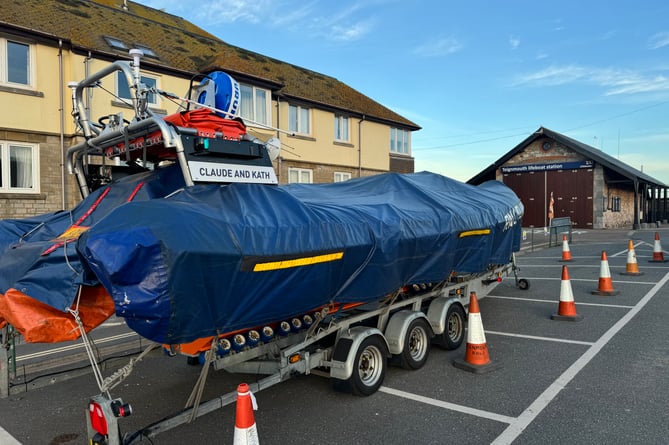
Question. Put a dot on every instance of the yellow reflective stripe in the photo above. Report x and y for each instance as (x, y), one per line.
(474, 233)
(297, 262)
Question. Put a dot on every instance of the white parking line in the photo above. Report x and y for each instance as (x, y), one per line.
(517, 426)
(587, 279)
(72, 347)
(553, 302)
(534, 337)
(447, 405)
(8, 439)
(624, 252)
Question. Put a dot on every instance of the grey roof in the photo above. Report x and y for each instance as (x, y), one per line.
(587, 151)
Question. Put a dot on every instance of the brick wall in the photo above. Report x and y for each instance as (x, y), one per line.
(49, 198)
(321, 173)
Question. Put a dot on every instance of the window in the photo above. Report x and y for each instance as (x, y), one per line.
(399, 141)
(123, 90)
(341, 176)
(298, 119)
(615, 203)
(341, 128)
(255, 104)
(116, 43)
(18, 168)
(148, 52)
(301, 175)
(15, 63)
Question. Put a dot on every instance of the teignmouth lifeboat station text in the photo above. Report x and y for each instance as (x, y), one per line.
(520, 168)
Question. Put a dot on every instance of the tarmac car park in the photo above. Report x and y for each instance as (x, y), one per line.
(603, 379)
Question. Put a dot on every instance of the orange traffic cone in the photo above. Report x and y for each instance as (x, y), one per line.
(605, 283)
(658, 254)
(632, 267)
(566, 253)
(246, 432)
(477, 359)
(566, 308)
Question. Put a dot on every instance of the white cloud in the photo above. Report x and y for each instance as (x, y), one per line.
(514, 42)
(352, 31)
(441, 47)
(304, 17)
(659, 40)
(552, 75)
(614, 81)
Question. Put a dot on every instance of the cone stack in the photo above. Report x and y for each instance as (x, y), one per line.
(567, 307)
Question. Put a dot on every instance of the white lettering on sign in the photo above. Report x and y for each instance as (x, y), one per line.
(218, 172)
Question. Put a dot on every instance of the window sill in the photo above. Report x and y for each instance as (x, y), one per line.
(344, 144)
(400, 155)
(303, 137)
(25, 92)
(22, 195)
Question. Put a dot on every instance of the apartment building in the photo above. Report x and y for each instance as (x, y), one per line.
(331, 131)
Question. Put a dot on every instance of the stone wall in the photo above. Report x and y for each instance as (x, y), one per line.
(623, 218)
(49, 198)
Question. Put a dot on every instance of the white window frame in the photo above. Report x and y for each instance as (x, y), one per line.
(4, 65)
(253, 118)
(299, 119)
(300, 172)
(339, 120)
(5, 166)
(400, 141)
(154, 99)
(341, 176)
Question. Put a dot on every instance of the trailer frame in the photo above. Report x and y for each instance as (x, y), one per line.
(301, 353)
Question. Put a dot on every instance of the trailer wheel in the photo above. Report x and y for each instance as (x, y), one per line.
(369, 368)
(523, 284)
(416, 345)
(454, 334)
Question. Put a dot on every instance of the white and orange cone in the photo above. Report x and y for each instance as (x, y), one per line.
(632, 267)
(605, 283)
(246, 432)
(477, 358)
(566, 253)
(658, 253)
(567, 307)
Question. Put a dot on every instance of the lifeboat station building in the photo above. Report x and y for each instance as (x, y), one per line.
(594, 189)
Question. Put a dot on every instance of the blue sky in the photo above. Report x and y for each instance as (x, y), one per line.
(477, 76)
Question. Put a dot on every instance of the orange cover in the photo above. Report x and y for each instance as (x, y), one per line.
(40, 323)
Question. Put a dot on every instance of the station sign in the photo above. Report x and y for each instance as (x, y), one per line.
(524, 168)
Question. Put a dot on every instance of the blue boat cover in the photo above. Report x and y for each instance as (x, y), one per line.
(187, 263)
(211, 259)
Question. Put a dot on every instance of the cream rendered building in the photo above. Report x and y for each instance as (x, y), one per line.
(329, 131)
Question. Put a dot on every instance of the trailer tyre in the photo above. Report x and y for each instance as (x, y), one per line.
(369, 368)
(454, 334)
(416, 345)
(523, 284)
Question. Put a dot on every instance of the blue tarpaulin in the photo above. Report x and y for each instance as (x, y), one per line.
(213, 259)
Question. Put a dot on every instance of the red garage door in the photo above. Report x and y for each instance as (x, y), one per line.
(572, 195)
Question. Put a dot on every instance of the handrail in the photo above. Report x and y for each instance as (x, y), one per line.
(143, 121)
